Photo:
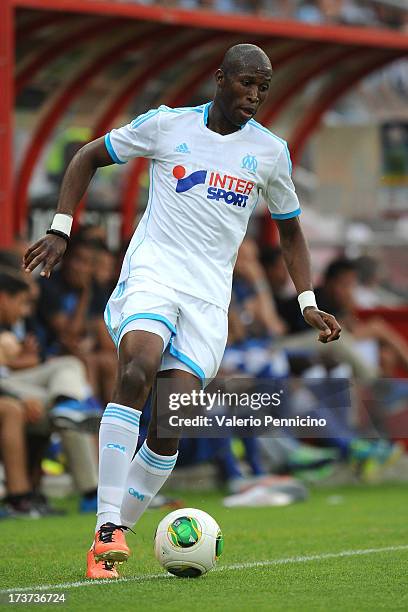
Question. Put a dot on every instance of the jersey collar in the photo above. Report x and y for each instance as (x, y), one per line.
(204, 125)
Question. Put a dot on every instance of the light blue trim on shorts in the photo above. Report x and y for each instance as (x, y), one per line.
(187, 361)
(154, 317)
(146, 315)
(108, 323)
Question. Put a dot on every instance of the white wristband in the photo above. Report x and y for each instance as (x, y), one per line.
(62, 223)
(306, 298)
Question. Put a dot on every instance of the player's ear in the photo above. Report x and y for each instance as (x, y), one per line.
(219, 76)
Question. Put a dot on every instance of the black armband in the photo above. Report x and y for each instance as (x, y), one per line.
(59, 234)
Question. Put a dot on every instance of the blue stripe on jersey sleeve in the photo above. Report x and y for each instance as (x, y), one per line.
(111, 150)
(289, 215)
(142, 118)
(163, 109)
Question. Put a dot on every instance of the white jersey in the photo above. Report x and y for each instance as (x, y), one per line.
(203, 189)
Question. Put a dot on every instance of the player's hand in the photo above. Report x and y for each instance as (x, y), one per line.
(328, 327)
(47, 251)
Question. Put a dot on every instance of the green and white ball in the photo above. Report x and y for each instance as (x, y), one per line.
(188, 542)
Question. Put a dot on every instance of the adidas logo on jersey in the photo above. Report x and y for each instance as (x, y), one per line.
(182, 148)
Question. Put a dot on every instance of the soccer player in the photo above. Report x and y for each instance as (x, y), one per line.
(168, 313)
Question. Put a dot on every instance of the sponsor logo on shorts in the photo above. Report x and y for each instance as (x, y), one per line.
(224, 187)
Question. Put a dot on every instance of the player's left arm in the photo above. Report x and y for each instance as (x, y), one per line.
(297, 257)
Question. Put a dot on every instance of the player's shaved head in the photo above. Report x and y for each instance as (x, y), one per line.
(244, 57)
(243, 82)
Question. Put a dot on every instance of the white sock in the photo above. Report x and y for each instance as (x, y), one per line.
(117, 443)
(147, 474)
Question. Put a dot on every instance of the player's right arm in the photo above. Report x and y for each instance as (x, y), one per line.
(137, 139)
(50, 249)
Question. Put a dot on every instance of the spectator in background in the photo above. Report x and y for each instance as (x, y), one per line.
(299, 344)
(55, 388)
(92, 233)
(336, 293)
(19, 499)
(14, 454)
(10, 259)
(254, 328)
(60, 382)
(349, 12)
(369, 292)
(105, 276)
(358, 13)
(65, 300)
(13, 417)
(252, 291)
(375, 337)
(309, 12)
(276, 272)
(70, 312)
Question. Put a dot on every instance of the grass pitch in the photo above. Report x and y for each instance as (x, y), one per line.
(345, 549)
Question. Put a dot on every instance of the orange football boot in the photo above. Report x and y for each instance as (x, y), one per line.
(110, 544)
(99, 570)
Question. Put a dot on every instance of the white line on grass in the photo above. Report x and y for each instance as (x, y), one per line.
(224, 568)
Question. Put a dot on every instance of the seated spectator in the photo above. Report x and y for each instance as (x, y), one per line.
(331, 296)
(370, 292)
(372, 337)
(56, 388)
(19, 500)
(371, 348)
(248, 357)
(104, 280)
(68, 320)
(252, 291)
(15, 415)
(13, 449)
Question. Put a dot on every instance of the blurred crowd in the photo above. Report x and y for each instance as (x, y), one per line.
(375, 13)
(57, 371)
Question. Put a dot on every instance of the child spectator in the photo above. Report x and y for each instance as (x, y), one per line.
(58, 386)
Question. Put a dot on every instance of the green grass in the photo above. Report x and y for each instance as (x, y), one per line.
(52, 551)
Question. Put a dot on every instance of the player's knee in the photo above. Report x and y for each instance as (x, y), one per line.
(136, 378)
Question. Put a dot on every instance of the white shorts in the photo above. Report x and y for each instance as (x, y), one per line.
(194, 332)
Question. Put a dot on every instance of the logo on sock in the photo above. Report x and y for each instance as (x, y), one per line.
(136, 494)
(118, 447)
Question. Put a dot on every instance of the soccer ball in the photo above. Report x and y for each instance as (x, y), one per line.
(188, 542)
